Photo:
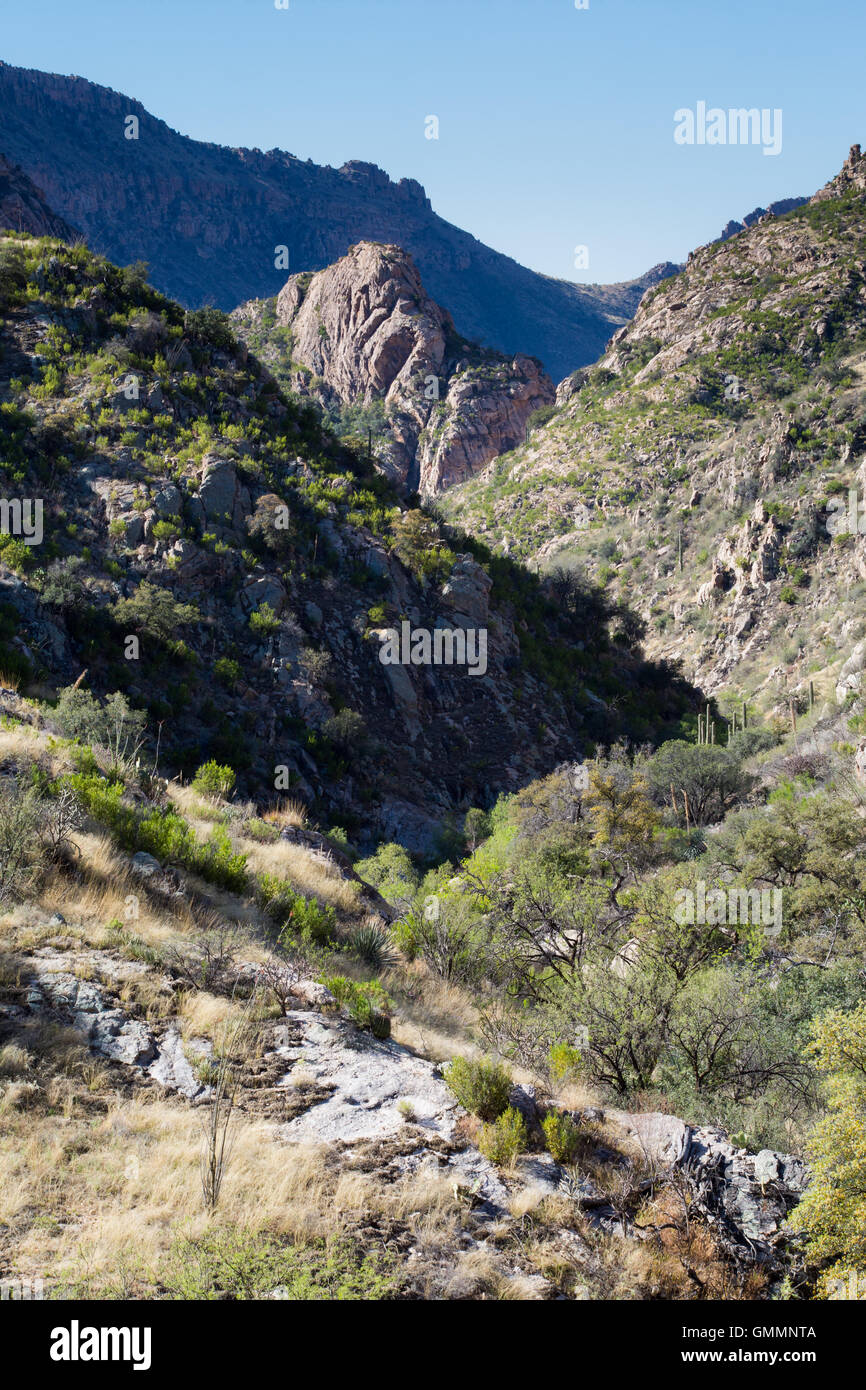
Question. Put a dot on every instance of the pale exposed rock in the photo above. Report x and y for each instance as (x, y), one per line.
(851, 675)
(368, 330)
(314, 993)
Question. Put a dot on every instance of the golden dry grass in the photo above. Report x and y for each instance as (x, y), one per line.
(288, 812)
(83, 1198)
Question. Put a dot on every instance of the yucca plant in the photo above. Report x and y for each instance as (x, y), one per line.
(372, 944)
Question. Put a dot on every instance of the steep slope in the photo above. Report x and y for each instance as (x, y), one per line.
(371, 336)
(700, 467)
(23, 206)
(207, 549)
(207, 219)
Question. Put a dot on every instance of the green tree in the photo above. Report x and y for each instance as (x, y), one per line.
(155, 612)
(832, 1213)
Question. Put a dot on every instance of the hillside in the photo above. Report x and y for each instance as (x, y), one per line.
(207, 220)
(152, 1003)
(700, 465)
(229, 566)
(328, 978)
(364, 334)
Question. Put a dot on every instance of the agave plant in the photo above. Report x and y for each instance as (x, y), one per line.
(372, 944)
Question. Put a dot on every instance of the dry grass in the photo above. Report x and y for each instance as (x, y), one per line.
(288, 812)
(309, 873)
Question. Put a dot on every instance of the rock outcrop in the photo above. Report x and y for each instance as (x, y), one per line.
(23, 206)
(368, 331)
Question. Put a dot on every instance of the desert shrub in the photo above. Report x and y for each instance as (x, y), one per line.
(154, 611)
(480, 1086)
(22, 856)
(711, 776)
(392, 872)
(372, 944)
(447, 933)
(112, 724)
(227, 671)
(210, 326)
(162, 833)
(61, 587)
(345, 730)
(367, 1004)
(296, 916)
(317, 664)
(505, 1138)
(264, 621)
(833, 1211)
(746, 742)
(238, 1264)
(563, 1061)
(214, 779)
(561, 1134)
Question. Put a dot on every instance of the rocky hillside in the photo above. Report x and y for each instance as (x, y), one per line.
(146, 1011)
(23, 206)
(207, 219)
(364, 333)
(208, 550)
(702, 465)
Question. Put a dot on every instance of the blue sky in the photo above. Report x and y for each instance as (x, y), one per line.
(555, 124)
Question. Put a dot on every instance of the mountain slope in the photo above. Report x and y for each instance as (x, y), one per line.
(257, 564)
(364, 333)
(693, 468)
(207, 220)
(23, 206)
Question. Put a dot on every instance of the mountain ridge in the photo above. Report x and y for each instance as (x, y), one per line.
(207, 219)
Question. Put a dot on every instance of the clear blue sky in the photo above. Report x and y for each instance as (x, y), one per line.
(556, 124)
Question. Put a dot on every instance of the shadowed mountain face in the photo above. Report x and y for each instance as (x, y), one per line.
(207, 219)
(23, 206)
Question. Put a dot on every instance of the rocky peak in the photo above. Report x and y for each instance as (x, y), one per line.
(365, 325)
(852, 175)
(368, 331)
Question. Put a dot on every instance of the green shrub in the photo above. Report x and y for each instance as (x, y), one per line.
(238, 1264)
(227, 671)
(367, 1004)
(561, 1134)
(22, 855)
(481, 1086)
(155, 612)
(295, 915)
(563, 1061)
(114, 725)
(162, 833)
(264, 621)
(505, 1138)
(214, 779)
